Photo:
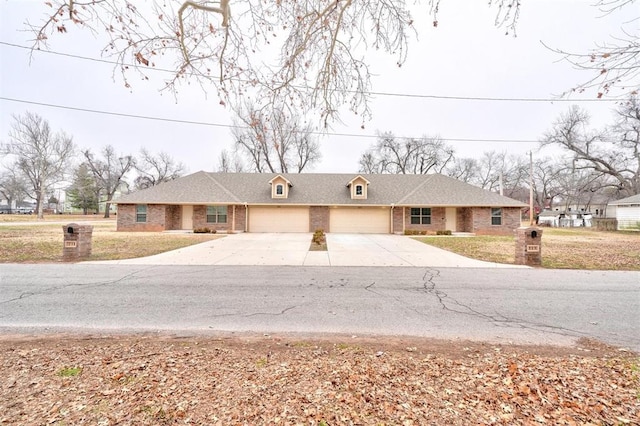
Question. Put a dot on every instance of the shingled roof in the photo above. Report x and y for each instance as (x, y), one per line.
(634, 199)
(318, 189)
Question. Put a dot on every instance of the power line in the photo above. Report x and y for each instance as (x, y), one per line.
(389, 94)
(229, 126)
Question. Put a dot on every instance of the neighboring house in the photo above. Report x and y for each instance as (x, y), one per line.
(628, 213)
(571, 219)
(337, 203)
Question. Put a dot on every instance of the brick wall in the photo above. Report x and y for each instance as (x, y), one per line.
(156, 216)
(463, 220)
(397, 220)
(173, 217)
(318, 218)
(438, 220)
(241, 218)
(481, 221)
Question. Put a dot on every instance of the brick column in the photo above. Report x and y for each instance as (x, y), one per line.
(77, 241)
(529, 246)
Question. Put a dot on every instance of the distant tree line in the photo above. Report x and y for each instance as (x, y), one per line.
(36, 161)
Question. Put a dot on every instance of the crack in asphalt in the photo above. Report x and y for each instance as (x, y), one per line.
(27, 294)
(429, 287)
(254, 314)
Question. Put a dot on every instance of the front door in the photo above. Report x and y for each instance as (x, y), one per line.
(187, 217)
(450, 216)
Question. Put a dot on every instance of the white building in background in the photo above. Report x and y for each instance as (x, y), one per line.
(628, 213)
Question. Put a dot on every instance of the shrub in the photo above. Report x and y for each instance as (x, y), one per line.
(414, 232)
(204, 231)
(443, 232)
(318, 236)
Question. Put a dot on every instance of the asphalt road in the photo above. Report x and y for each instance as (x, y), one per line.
(499, 305)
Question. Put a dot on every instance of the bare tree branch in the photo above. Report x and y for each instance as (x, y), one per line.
(303, 52)
(615, 153)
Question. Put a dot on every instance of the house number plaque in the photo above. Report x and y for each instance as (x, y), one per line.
(70, 243)
(533, 248)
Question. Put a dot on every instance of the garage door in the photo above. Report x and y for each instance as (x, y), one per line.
(359, 220)
(278, 219)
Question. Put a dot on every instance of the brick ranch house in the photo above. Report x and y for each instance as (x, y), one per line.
(337, 203)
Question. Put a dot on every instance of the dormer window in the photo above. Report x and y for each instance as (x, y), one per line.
(280, 187)
(358, 188)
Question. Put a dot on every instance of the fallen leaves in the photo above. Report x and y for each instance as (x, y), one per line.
(143, 380)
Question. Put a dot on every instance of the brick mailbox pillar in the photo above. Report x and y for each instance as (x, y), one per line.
(77, 241)
(529, 246)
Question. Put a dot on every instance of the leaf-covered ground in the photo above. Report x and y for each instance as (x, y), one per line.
(266, 380)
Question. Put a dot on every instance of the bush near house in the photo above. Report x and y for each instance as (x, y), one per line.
(319, 237)
(204, 231)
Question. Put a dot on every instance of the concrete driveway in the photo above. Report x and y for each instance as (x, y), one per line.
(293, 249)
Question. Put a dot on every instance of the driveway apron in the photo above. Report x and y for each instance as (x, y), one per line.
(293, 249)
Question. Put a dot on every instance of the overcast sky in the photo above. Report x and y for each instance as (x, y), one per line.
(465, 56)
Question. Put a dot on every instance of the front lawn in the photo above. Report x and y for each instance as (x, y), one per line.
(562, 248)
(40, 243)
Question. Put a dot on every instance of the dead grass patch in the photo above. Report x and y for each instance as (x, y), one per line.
(563, 248)
(43, 243)
(68, 218)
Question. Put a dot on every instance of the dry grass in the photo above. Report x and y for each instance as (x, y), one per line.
(43, 243)
(67, 218)
(564, 248)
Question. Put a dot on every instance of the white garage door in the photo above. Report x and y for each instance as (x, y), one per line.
(359, 220)
(278, 219)
(627, 216)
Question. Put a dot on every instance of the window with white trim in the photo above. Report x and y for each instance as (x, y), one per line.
(141, 213)
(496, 216)
(359, 190)
(216, 214)
(421, 215)
(279, 189)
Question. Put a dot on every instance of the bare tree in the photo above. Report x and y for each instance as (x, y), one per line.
(303, 51)
(230, 163)
(500, 168)
(109, 172)
(13, 186)
(463, 169)
(41, 156)
(615, 154)
(156, 169)
(406, 155)
(547, 182)
(274, 140)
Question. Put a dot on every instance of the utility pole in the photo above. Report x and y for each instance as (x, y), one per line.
(531, 188)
